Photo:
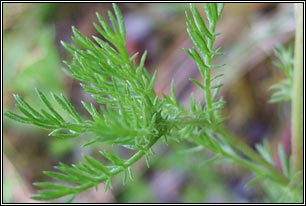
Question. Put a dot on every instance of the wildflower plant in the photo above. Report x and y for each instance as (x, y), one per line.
(130, 114)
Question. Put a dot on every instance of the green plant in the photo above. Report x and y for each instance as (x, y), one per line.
(132, 116)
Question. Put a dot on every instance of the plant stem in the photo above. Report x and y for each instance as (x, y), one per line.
(241, 146)
(207, 78)
(297, 95)
(137, 156)
(208, 92)
(253, 155)
(141, 153)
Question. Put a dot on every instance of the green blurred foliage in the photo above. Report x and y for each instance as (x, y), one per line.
(30, 60)
(30, 57)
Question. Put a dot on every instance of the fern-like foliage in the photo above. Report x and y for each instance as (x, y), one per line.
(204, 53)
(204, 123)
(283, 90)
(130, 113)
(200, 119)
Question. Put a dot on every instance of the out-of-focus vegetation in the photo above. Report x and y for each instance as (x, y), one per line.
(32, 59)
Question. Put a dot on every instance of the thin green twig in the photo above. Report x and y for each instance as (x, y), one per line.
(297, 96)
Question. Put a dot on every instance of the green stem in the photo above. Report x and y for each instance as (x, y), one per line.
(207, 78)
(253, 155)
(141, 153)
(208, 93)
(118, 170)
(244, 148)
(297, 95)
(241, 146)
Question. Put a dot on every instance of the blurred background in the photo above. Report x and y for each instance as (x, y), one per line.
(32, 58)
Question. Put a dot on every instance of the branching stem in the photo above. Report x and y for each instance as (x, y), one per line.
(253, 155)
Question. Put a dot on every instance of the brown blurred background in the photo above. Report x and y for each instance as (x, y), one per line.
(32, 57)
